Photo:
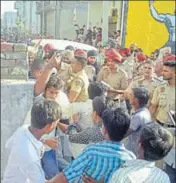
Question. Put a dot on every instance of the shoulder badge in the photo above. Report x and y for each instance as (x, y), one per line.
(78, 82)
(162, 89)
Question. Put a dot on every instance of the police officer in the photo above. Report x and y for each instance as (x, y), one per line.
(115, 77)
(78, 86)
(112, 74)
(148, 80)
(164, 95)
(77, 83)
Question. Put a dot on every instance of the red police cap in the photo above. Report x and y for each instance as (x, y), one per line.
(48, 47)
(80, 53)
(169, 57)
(141, 57)
(111, 54)
(125, 51)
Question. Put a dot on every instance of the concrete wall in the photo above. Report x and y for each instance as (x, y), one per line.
(16, 100)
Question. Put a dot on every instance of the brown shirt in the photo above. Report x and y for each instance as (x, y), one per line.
(79, 84)
(65, 72)
(117, 80)
(150, 85)
(164, 98)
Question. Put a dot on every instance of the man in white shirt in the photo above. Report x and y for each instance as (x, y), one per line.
(154, 144)
(26, 150)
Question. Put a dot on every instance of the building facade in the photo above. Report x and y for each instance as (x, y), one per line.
(56, 17)
(9, 20)
(27, 18)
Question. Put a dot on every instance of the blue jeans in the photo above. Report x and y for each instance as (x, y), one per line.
(171, 172)
(52, 164)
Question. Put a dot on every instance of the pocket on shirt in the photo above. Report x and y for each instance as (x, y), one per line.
(162, 100)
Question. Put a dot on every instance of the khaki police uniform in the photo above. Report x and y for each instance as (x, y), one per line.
(164, 97)
(150, 85)
(118, 80)
(65, 72)
(79, 83)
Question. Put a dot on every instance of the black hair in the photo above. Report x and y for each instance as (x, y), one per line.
(116, 122)
(170, 63)
(91, 53)
(101, 103)
(71, 48)
(54, 82)
(44, 112)
(96, 89)
(156, 142)
(142, 95)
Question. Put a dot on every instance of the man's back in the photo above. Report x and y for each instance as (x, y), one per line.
(98, 160)
(24, 159)
(139, 171)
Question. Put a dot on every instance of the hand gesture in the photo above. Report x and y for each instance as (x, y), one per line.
(76, 117)
(55, 61)
(88, 179)
(52, 143)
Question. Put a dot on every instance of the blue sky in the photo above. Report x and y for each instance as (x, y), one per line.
(7, 6)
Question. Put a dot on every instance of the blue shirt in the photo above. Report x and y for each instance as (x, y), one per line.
(97, 160)
(138, 120)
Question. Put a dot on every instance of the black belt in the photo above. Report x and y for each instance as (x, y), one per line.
(165, 125)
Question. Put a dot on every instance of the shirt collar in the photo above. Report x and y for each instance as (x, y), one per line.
(142, 163)
(78, 73)
(31, 137)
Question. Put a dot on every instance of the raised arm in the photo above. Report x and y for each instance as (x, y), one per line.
(155, 14)
(41, 82)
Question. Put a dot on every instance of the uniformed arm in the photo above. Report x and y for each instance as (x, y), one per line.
(41, 82)
(156, 15)
(124, 82)
(100, 74)
(75, 90)
(154, 103)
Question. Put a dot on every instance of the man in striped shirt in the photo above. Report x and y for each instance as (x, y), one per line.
(101, 159)
(154, 144)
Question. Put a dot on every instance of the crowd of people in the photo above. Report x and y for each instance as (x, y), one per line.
(97, 117)
(93, 36)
